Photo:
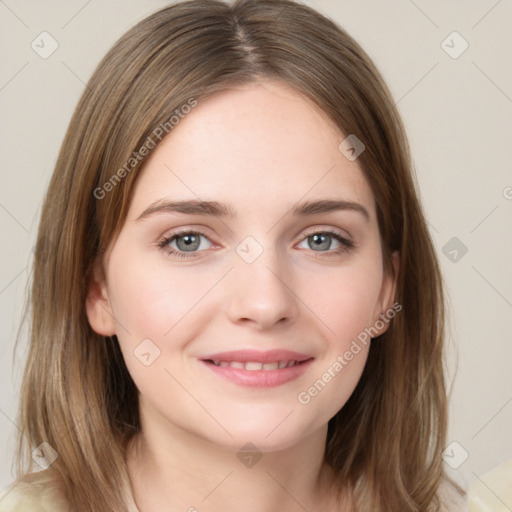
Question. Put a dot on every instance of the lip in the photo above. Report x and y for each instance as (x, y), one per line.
(258, 378)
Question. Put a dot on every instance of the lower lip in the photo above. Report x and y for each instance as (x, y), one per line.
(259, 378)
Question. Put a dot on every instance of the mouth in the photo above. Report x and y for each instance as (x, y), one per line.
(255, 365)
(258, 369)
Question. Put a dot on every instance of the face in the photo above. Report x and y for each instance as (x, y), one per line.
(238, 304)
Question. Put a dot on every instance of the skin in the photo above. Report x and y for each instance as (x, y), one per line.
(261, 148)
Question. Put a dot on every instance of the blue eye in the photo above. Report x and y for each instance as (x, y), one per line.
(323, 241)
(186, 244)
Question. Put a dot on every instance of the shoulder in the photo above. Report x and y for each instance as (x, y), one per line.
(452, 497)
(35, 492)
(493, 491)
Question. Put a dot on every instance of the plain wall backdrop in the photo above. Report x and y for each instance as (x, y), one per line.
(449, 67)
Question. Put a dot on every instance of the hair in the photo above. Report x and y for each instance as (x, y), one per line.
(385, 444)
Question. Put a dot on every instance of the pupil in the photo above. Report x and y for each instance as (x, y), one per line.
(188, 242)
(321, 241)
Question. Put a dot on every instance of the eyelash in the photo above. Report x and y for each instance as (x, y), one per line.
(346, 245)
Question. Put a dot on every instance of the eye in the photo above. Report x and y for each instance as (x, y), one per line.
(179, 244)
(186, 244)
(327, 241)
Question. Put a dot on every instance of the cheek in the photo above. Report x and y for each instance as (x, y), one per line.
(151, 300)
(159, 309)
(339, 369)
(156, 309)
(347, 299)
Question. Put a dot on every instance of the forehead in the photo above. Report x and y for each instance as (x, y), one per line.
(255, 146)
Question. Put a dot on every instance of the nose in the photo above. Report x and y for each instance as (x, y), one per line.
(260, 293)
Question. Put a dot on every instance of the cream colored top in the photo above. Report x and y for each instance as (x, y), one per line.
(37, 492)
(492, 492)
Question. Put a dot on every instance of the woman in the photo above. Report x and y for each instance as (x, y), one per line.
(236, 301)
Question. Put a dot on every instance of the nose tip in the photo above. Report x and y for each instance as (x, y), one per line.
(257, 294)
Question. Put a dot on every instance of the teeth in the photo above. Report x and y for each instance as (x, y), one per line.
(255, 366)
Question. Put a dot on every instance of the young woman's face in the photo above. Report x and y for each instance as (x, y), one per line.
(225, 271)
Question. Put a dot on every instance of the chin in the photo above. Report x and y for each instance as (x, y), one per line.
(270, 434)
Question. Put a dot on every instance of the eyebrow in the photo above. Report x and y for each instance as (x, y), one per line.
(217, 209)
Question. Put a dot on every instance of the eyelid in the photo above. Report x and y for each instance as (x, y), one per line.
(326, 229)
(167, 239)
(188, 230)
(346, 242)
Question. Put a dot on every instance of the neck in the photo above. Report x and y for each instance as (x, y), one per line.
(173, 469)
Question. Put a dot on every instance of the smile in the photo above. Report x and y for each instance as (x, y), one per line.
(253, 368)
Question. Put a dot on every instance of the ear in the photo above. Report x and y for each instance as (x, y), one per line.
(97, 304)
(387, 294)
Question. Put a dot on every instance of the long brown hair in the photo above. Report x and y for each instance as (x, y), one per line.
(385, 444)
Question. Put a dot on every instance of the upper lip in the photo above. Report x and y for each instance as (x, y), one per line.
(268, 356)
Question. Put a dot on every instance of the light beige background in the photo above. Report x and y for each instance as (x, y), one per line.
(458, 114)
